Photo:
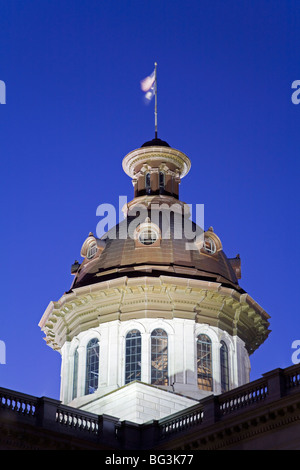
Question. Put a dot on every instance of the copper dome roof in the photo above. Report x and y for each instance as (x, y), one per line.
(156, 143)
(117, 257)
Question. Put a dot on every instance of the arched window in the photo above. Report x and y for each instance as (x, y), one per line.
(204, 363)
(133, 356)
(161, 182)
(92, 366)
(148, 183)
(75, 374)
(224, 367)
(159, 357)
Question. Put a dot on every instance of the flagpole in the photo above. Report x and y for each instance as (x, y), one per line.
(155, 109)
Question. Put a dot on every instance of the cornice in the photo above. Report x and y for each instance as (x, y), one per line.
(244, 427)
(173, 297)
(142, 155)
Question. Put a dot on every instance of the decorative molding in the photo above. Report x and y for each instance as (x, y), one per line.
(158, 154)
(202, 301)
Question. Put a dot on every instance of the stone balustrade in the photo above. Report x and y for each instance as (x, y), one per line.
(50, 415)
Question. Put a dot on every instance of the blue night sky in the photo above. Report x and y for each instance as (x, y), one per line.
(74, 109)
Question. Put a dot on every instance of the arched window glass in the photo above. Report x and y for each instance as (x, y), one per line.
(161, 181)
(133, 350)
(75, 374)
(159, 357)
(148, 183)
(204, 363)
(224, 367)
(92, 366)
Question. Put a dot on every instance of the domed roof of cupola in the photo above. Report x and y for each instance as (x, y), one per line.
(150, 249)
(147, 251)
(156, 143)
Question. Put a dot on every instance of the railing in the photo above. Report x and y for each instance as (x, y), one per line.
(292, 377)
(49, 414)
(237, 399)
(19, 403)
(272, 386)
(74, 419)
(180, 421)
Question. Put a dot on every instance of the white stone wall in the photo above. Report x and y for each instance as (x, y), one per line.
(182, 360)
(139, 403)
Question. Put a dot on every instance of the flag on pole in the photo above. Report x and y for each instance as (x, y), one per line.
(148, 86)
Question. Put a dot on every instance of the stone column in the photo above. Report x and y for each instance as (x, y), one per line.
(81, 371)
(113, 360)
(168, 183)
(65, 373)
(146, 358)
(176, 182)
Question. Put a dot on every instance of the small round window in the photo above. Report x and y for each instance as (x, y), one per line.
(148, 236)
(209, 246)
(92, 250)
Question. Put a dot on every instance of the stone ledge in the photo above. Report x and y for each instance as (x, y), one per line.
(138, 402)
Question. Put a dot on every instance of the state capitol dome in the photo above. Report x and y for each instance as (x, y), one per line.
(155, 306)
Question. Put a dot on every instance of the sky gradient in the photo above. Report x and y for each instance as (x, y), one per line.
(74, 109)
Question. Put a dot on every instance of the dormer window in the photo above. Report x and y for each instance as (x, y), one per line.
(209, 245)
(92, 250)
(209, 242)
(148, 236)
